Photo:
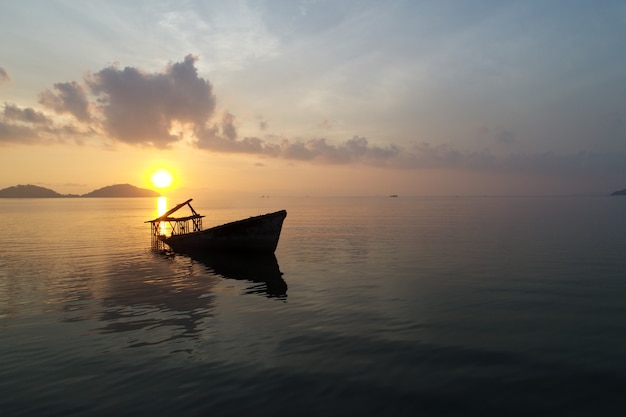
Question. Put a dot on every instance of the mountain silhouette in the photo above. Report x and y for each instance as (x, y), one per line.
(122, 190)
(28, 191)
(35, 191)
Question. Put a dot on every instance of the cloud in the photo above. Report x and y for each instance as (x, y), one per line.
(11, 133)
(582, 163)
(228, 126)
(128, 105)
(5, 78)
(28, 126)
(21, 126)
(175, 105)
(222, 137)
(140, 108)
(27, 115)
(67, 98)
(577, 164)
(425, 155)
(356, 149)
(213, 139)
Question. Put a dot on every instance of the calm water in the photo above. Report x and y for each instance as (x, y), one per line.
(386, 306)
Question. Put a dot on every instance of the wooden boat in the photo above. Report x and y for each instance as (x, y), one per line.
(257, 234)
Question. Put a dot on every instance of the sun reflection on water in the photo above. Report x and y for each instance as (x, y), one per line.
(161, 209)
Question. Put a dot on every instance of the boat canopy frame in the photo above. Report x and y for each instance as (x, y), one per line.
(178, 225)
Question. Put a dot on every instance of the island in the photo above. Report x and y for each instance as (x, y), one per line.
(28, 191)
(620, 192)
(122, 190)
(35, 191)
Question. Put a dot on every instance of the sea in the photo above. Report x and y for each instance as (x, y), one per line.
(372, 306)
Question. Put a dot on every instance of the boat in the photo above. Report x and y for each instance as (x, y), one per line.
(258, 234)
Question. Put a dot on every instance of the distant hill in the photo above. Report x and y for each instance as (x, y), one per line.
(29, 191)
(620, 192)
(122, 190)
(34, 191)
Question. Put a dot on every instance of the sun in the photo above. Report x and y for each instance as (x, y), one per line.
(161, 178)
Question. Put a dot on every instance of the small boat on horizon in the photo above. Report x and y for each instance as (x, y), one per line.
(258, 234)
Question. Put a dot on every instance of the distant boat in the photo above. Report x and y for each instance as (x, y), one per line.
(393, 195)
(257, 234)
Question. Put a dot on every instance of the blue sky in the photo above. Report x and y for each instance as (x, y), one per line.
(516, 96)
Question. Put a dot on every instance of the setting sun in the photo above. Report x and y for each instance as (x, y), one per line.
(161, 178)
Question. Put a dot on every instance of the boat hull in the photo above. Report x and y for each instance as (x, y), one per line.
(257, 234)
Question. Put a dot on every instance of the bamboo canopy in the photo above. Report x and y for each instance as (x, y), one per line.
(166, 216)
(178, 225)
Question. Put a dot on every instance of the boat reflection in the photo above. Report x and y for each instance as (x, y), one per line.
(260, 269)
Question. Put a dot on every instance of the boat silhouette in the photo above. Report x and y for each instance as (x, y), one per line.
(258, 234)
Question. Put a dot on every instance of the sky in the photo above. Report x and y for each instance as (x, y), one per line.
(311, 97)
